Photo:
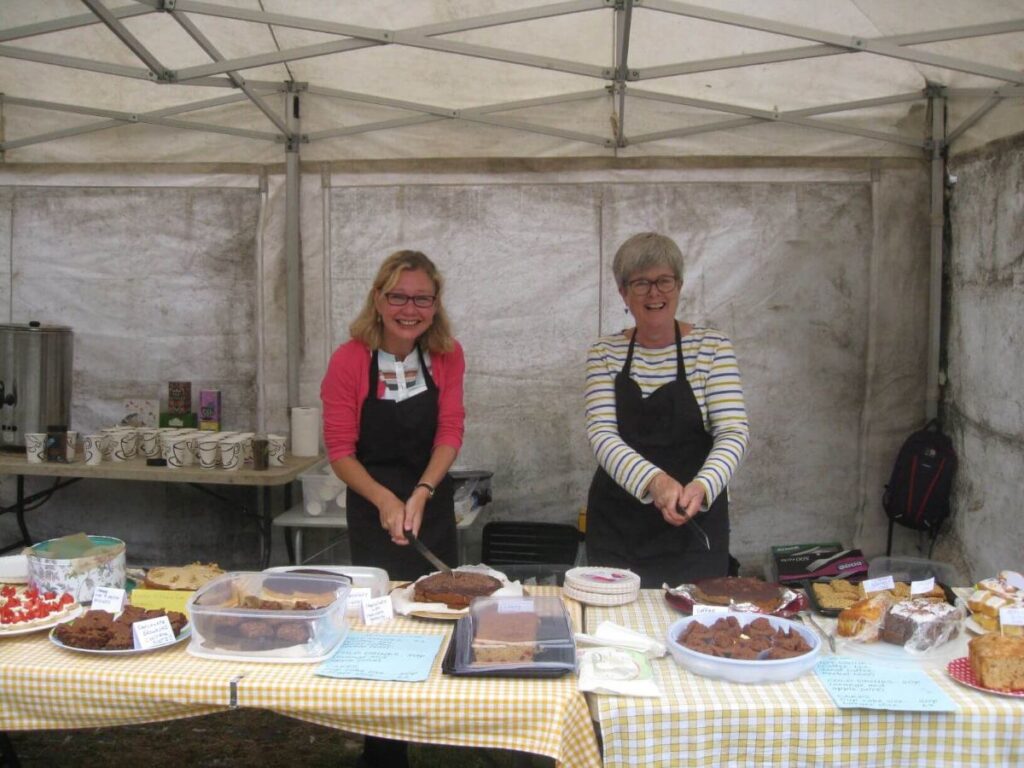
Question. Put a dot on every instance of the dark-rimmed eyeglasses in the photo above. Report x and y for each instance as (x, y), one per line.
(642, 286)
(401, 299)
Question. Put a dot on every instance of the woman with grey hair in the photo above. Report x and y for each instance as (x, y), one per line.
(666, 419)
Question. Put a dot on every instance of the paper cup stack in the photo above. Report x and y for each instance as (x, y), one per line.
(602, 586)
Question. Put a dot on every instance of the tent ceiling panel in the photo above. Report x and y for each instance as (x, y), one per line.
(438, 79)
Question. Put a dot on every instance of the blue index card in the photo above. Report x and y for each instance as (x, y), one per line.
(371, 656)
(855, 683)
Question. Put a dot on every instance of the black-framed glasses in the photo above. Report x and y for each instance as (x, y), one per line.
(642, 286)
(401, 299)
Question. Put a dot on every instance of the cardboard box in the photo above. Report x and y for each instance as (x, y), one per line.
(180, 420)
(828, 560)
(179, 396)
(209, 409)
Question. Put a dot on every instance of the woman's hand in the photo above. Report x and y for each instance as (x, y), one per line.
(691, 499)
(414, 508)
(667, 494)
(392, 517)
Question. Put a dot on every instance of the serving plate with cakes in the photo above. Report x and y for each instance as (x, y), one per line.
(743, 594)
(994, 664)
(446, 596)
(750, 648)
(24, 609)
(830, 597)
(105, 633)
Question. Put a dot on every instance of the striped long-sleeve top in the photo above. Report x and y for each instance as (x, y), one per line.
(714, 377)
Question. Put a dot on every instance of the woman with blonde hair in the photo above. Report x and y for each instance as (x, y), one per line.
(394, 419)
(393, 425)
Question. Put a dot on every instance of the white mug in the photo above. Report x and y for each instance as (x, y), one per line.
(246, 438)
(209, 451)
(72, 441)
(125, 445)
(232, 453)
(277, 449)
(92, 446)
(35, 447)
(178, 452)
(149, 442)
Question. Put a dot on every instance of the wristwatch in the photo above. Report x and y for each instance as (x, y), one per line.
(430, 489)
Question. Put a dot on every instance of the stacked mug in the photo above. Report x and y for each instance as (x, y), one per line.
(179, 448)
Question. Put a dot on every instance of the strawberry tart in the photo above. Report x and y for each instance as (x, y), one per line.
(23, 607)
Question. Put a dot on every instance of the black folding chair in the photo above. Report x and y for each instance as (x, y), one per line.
(526, 550)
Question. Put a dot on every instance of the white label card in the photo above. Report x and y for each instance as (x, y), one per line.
(515, 606)
(358, 595)
(878, 585)
(377, 610)
(703, 610)
(1014, 616)
(922, 587)
(152, 633)
(109, 599)
(1014, 579)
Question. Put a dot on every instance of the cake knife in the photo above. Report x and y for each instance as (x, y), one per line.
(692, 522)
(425, 551)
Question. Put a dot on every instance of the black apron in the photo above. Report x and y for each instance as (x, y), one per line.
(667, 429)
(394, 445)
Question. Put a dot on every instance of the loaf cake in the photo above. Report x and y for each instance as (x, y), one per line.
(190, 577)
(997, 661)
(455, 589)
(863, 620)
(504, 637)
(920, 624)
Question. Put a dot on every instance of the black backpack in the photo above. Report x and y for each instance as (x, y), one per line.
(917, 495)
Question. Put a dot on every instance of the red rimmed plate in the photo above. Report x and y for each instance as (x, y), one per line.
(683, 602)
(960, 670)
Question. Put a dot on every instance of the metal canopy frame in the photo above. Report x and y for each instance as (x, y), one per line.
(227, 73)
(934, 138)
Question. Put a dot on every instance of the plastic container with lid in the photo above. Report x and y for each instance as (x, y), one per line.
(513, 637)
(275, 617)
(372, 581)
(909, 569)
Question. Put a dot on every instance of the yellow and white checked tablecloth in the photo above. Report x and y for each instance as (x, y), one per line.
(43, 686)
(704, 722)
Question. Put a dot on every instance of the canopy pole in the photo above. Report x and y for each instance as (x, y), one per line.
(937, 107)
(292, 244)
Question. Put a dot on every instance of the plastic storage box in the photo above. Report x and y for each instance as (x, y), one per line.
(513, 637)
(915, 569)
(322, 490)
(264, 617)
(362, 576)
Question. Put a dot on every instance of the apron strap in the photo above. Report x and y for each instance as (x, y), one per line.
(374, 374)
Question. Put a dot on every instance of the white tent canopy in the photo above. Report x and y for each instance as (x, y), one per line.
(185, 80)
(215, 183)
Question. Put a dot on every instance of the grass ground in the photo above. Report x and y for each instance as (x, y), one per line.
(232, 740)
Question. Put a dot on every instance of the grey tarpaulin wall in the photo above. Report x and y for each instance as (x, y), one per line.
(637, 98)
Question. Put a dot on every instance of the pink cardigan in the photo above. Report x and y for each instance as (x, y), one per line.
(346, 386)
